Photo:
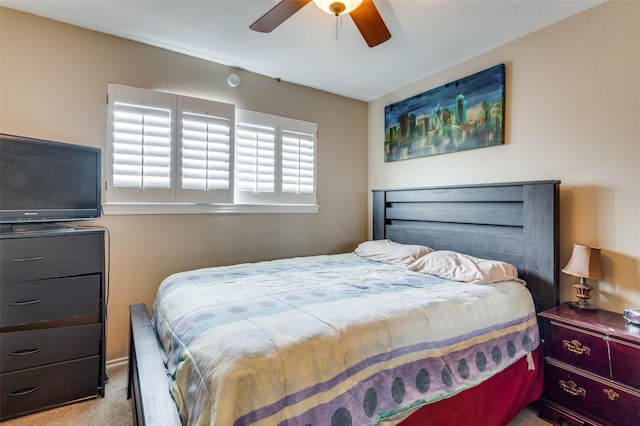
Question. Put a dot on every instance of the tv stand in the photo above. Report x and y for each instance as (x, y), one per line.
(34, 227)
(52, 317)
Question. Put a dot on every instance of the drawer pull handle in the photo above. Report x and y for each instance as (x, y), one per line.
(27, 259)
(576, 347)
(611, 394)
(24, 392)
(24, 352)
(26, 302)
(572, 388)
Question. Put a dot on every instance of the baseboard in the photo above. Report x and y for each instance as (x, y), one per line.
(118, 362)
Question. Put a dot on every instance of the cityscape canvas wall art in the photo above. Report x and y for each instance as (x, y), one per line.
(465, 114)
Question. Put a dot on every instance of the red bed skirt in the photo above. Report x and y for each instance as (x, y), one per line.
(494, 402)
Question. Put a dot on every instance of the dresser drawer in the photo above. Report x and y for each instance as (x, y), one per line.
(39, 388)
(589, 394)
(625, 362)
(25, 259)
(579, 347)
(46, 300)
(26, 349)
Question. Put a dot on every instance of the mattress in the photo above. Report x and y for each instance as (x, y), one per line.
(335, 339)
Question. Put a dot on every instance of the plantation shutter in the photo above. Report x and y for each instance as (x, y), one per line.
(255, 160)
(298, 161)
(206, 155)
(170, 149)
(140, 148)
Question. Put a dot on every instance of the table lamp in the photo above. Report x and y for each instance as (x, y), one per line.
(584, 263)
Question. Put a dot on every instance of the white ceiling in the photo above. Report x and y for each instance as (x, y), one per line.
(427, 35)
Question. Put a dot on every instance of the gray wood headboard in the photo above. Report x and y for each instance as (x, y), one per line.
(512, 222)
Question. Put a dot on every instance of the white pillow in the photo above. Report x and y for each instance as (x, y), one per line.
(461, 267)
(390, 252)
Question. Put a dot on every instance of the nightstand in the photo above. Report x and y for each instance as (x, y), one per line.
(592, 368)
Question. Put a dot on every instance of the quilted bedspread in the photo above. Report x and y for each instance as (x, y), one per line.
(331, 340)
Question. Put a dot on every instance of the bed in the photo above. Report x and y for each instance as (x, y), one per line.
(274, 344)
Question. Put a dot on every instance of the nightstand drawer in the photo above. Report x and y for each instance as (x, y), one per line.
(586, 393)
(625, 362)
(26, 349)
(33, 389)
(25, 259)
(580, 348)
(48, 300)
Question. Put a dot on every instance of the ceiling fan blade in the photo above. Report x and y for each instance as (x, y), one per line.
(370, 23)
(277, 15)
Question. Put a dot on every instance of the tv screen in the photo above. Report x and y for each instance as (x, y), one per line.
(45, 181)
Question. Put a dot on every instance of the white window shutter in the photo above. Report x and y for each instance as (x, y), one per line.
(140, 145)
(206, 154)
(298, 147)
(255, 162)
(170, 149)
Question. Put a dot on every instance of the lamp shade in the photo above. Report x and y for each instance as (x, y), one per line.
(584, 262)
(337, 7)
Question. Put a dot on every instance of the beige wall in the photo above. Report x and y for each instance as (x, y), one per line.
(572, 114)
(53, 84)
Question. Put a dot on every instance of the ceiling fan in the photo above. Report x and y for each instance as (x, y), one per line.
(363, 12)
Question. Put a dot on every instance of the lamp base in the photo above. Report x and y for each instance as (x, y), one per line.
(583, 294)
(582, 306)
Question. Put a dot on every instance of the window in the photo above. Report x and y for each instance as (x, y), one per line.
(205, 140)
(275, 159)
(170, 150)
(139, 161)
(298, 160)
(255, 157)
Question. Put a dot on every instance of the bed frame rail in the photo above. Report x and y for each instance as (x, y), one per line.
(148, 386)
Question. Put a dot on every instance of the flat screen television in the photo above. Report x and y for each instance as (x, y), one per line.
(45, 181)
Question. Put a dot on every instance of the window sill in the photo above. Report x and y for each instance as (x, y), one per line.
(149, 208)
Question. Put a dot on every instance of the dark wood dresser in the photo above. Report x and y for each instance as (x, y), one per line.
(52, 318)
(592, 368)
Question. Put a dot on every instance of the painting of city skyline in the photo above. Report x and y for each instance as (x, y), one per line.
(465, 114)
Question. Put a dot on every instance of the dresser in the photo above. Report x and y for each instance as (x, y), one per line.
(592, 368)
(52, 318)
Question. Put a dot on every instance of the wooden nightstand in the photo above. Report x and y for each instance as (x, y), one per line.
(592, 368)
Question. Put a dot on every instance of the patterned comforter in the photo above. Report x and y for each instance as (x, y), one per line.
(331, 340)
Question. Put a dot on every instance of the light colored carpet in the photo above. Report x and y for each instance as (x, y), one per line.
(115, 409)
(528, 417)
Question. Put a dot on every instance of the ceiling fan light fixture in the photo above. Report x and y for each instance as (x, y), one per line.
(364, 14)
(338, 7)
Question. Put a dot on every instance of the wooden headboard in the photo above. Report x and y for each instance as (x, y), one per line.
(512, 222)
